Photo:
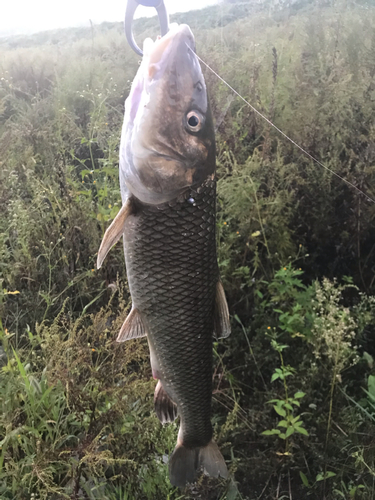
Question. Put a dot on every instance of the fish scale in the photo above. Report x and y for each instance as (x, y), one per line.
(176, 297)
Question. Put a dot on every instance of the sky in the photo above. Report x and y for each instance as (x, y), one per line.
(30, 16)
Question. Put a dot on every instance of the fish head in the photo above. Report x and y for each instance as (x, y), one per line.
(168, 141)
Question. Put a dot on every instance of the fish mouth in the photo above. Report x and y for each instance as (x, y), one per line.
(158, 56)
(164, 50)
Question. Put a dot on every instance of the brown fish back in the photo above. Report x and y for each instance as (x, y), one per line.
(170, 252)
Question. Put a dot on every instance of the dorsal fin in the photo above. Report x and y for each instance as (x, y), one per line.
(133, 327)
(114, 231)
(221, 318)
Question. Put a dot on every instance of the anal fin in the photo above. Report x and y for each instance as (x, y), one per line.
(114, 232)
(133, 327)
(165, 408)
(221, 319)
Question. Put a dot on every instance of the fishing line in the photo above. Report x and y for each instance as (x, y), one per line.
(368, 198)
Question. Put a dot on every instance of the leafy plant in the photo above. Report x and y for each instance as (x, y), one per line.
(286, 407)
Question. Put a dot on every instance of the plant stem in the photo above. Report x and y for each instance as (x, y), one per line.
(333, 384)
(260, 218)
(286, 398)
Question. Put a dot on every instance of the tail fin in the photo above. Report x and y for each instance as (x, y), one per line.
(185, 462)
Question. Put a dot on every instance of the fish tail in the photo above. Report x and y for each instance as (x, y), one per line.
(185, 462)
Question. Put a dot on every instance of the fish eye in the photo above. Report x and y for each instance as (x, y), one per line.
(194, 121)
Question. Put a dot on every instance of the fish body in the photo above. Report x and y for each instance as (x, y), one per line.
(168, 186)
(172, 272)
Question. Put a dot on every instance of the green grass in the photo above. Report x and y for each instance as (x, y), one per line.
(296, 252)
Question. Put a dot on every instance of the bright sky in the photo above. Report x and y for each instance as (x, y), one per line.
(30, 16)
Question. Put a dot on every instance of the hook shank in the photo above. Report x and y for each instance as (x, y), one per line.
(131, 7)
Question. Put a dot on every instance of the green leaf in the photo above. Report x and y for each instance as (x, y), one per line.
(275, 376)
(279, 410)
(299, 394)
(259, 293)
(85, 193)
(304, 479)
(110, 171)
(282, 436)
(301, 430)
(354, 490)
(371, 386)
(330, 474)
(290, 430)
(282, 423)
(271, 432)
(232, 492)
(115, 210)
(290, 407)
(370, 360)
(327, 475)
(85, 172)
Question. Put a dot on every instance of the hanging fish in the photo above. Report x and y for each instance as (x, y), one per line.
(168, 189)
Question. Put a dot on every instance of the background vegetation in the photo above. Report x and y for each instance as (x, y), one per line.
(294, 385)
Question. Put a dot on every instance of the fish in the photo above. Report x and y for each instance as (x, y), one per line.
(167, 220)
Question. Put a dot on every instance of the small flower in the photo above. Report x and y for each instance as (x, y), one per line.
(93, 350)
(225, 223)
(106, 123)
(268, 328)
(92, 270)
(284, 268)
(109, 206)
(94, 182)
(83, 182)
(238, 232)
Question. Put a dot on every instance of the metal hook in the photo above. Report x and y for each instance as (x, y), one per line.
(129, 16)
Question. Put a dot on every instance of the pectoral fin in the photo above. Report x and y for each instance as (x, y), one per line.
(133, 327)
(114, 232)
(221, 319)
(165, 408)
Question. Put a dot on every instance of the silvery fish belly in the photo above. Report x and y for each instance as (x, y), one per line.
(168, 187)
